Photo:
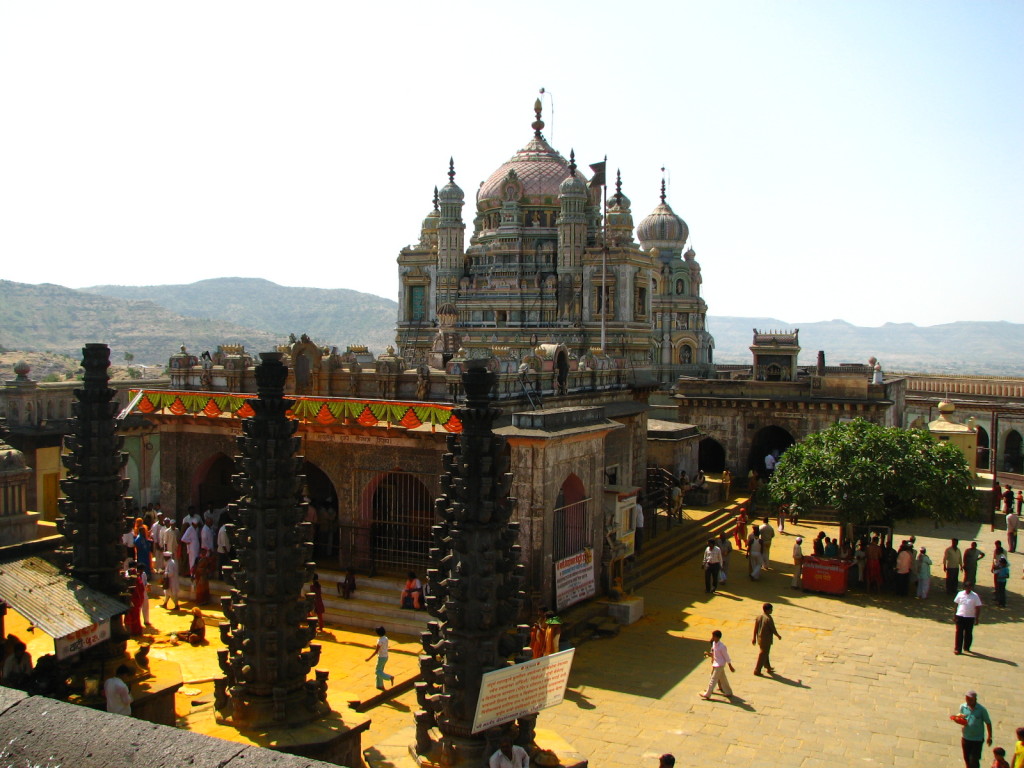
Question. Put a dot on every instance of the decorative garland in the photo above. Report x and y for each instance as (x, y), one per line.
(320, 410)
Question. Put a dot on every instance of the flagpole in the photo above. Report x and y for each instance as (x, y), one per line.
(604, 252)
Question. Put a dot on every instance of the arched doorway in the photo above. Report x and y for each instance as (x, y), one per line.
(399, 510)
(211, 485)
(710, 455)
(572, 513)
(1013, 460)
(320, 490)
(983, 448)
(769, 440)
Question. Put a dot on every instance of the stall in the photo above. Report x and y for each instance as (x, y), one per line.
(825, 574)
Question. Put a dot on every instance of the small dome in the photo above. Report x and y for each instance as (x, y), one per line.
(663, 228)
(573, 186)
(430, 222)
(451, 192)
(22, 369)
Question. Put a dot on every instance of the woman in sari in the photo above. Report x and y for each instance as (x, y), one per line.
(201, 578)
(133, 620)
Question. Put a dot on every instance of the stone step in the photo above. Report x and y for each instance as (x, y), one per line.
(673, 547)
(375, 602)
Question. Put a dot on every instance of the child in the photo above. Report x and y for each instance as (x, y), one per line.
(999, 759)
(381, 652)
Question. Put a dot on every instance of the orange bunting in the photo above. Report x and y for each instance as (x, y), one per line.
(212, 410)
(410, 420)
(366, 418)
(324, 415)
(245, 411)
(177, 407)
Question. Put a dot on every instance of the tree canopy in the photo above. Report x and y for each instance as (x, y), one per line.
(871, 473)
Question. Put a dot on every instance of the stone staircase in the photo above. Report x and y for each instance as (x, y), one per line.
(677, 544)
(374, 603)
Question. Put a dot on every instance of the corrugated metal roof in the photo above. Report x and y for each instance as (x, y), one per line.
(52, 600)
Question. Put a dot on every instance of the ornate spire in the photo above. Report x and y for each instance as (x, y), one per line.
(538, 124)
(618, 186)
(451, 170)
(663, 183)
(572, 162)
(435, 197)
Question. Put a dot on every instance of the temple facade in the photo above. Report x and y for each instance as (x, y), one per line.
(552, 258)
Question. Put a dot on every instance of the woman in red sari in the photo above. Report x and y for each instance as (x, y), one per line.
(133, 619)
(740, 531)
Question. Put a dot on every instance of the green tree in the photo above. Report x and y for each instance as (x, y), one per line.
(129, 358)
(873, 473)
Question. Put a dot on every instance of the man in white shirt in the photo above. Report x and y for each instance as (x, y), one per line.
(769, 465)
(207, 536)
(191, 539)
(115, 689)
(720, 659)
(712, 565)
(767, 534)
(798, 559)
(157, 533)
(968, 613)
(509, 755)
(1012, 524)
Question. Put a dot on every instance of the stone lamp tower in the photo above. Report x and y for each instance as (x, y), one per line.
(267, 630)
(93, 503)
(475, 595)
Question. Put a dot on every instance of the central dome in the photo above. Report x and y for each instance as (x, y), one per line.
(538, 169)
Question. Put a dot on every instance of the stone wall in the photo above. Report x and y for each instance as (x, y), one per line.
(48, 733)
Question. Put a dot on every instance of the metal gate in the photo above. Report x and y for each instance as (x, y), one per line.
(398, 509)
(572, 529)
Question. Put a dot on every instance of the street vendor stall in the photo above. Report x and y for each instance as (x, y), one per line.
(825, 574)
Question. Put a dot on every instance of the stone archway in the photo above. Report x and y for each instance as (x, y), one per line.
(1013, 457)
(211, 483)
(570, 518)
(767, 440)
(983, 448)
(397, 507)
(710, 455)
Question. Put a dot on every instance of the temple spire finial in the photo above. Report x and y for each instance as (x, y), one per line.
(572, 162)
(538, 124)
(663, 183)
(618, 186)
(451, 170)
(435, 197)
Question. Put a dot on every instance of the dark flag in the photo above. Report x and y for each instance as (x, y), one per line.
(598, 169)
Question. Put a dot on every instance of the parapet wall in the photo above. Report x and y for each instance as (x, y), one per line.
(38, 731)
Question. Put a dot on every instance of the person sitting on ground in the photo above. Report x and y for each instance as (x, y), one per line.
(196, 632)
(700, 479)
(412, 593)
(347, 585)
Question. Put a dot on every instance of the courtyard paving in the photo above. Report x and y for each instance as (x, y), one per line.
(860, 680)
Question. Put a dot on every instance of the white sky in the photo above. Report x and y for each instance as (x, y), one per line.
(855, 160)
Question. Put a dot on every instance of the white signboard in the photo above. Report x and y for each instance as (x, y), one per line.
(523, 689)
(81, 639)
(574, 579)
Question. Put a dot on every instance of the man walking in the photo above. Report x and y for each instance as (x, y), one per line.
(952, 562)
(719, 656)
(975, 720)
(764, 635)
(712, 565)
(767, 534)
(968, 613)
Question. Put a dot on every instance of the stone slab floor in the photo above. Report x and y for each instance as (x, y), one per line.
(860, 680)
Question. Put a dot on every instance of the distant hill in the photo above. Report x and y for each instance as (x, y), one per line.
(151, 322)
(989, 348)
(331, 316)
(51, 318)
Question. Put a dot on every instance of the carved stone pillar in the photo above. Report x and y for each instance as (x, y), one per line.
(475, 580)
(267, 625)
